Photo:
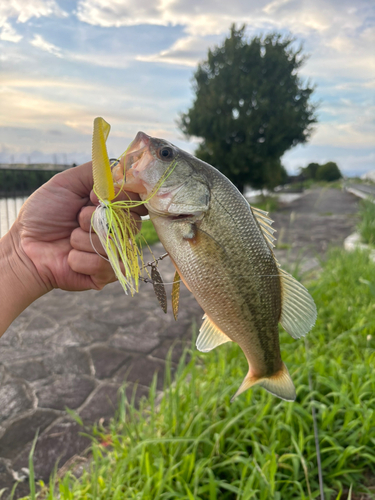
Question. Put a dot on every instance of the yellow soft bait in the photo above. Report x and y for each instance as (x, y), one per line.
(112, 221)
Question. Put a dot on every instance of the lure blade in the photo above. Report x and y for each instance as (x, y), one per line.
(176, 294)
(159, 288)
(103, 182)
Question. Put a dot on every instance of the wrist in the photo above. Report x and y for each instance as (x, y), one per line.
(20, 282)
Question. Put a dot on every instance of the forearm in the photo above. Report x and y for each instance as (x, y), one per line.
(19, 283)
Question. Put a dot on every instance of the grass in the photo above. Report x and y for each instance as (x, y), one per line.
(366, 226)
(314, 184)
(148, 233)
(267, 203)
(196, 445)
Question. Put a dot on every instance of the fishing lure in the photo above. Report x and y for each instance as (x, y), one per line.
(115, 226)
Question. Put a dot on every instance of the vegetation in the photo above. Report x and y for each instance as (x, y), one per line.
(148, 233)
(250, 107)
(366, 226)
(267, 203)
(327, 172)
(197, 445)
(23, 181)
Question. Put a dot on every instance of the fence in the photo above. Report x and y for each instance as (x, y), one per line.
(17, 182)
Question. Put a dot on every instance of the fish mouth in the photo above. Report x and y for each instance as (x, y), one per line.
(181, 217)
(136, 159)
(136, 152)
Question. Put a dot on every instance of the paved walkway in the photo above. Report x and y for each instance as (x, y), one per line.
(76, 349)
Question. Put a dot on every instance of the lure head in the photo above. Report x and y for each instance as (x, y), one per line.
(167, 178)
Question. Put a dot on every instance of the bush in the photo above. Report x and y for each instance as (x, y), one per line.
(328, 172)
(310, 171)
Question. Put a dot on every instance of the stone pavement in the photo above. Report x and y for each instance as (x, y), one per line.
(310, 225)
(76, 349)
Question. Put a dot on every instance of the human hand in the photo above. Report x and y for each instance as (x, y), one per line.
(49, 244)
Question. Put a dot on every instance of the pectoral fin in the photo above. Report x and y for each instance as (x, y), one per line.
(298, 309)
(176, 294)
(210, 336)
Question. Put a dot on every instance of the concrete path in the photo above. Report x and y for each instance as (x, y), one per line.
(310, 225)
(76, 349)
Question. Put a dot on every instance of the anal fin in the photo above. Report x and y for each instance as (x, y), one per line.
(210, 336)
(280, 384)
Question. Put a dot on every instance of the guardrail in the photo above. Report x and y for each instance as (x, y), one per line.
(363, 191)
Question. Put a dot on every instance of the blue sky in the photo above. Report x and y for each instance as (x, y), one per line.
(64, 62)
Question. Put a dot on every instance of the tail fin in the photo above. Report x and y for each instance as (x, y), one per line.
(280, 384)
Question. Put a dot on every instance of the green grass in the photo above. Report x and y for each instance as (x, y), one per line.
(267, 203)
(148, 233)
(313, 184)
(196, 445)
(366, 226)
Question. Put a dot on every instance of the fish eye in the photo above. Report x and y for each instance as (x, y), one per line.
(165, 153)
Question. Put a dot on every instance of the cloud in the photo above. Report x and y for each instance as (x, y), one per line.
(39, 42)
(22, 11)
(185, 51)
(8, 33)
(108, 13)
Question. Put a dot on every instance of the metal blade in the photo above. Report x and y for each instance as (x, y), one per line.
(159, 288)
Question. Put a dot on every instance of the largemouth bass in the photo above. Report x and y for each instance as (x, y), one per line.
(222, 249)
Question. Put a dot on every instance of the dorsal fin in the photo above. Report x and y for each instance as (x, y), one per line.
(210, 336)
(264, 224)
(298, 309)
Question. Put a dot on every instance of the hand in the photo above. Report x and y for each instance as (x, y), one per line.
(49, 244)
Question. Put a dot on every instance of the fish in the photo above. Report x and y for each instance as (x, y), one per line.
(222, 248)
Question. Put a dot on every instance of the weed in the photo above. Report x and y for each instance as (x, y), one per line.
(366, 225)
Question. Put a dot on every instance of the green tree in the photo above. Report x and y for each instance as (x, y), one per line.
(310, 171)
(328, 172)
(250, 107)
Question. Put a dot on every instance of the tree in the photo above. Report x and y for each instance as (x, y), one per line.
(328, 172)
(250, 107)
(310, 171)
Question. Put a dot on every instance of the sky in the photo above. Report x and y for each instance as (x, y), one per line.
(65, 62)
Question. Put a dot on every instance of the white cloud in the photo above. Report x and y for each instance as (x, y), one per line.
(185, 51)
(22, 11)
(109, 13)
(39, 42)
(9, 34)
